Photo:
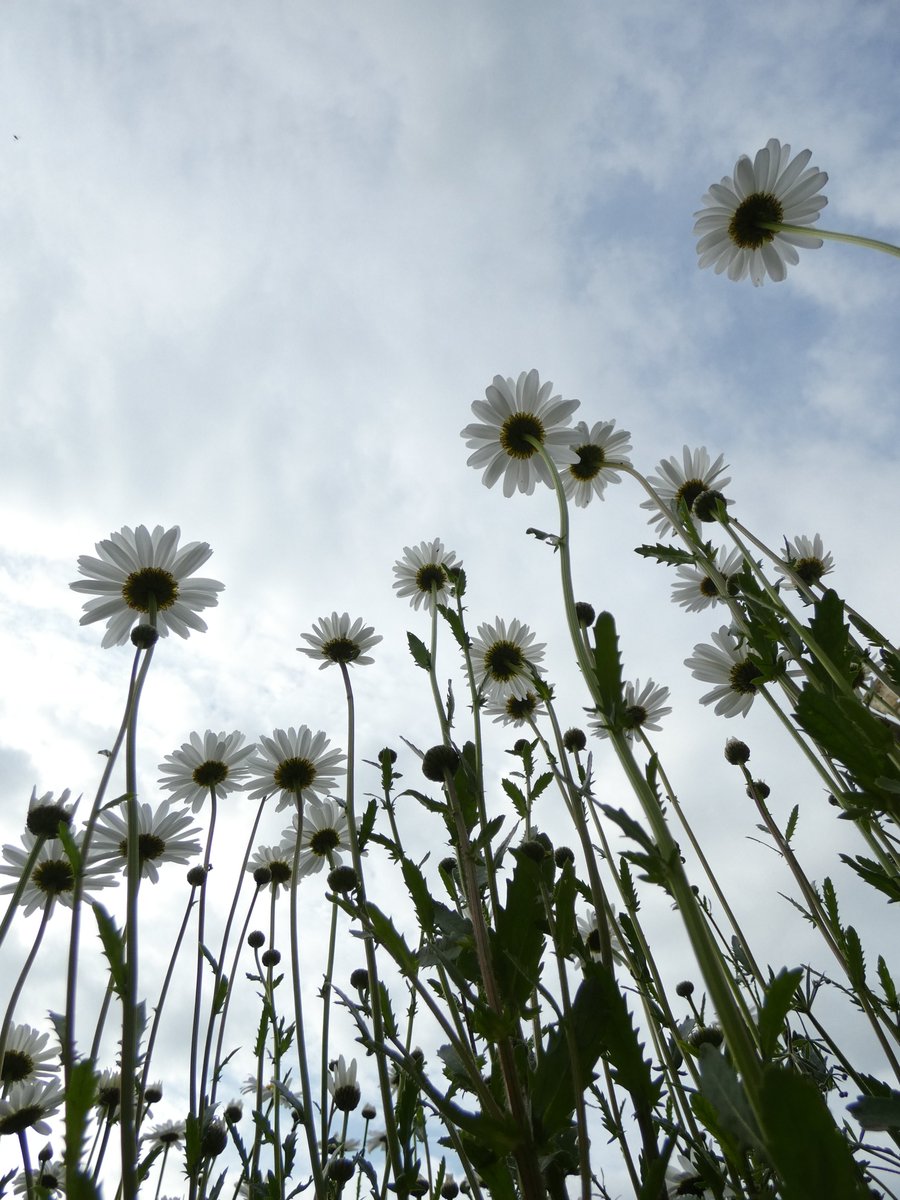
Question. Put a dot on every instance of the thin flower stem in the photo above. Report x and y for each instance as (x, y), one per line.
(326, 1018)
(223, 1018)
(198, 1103)
(23, 975)
(26, 1160)
(853, 239)
(19, 889)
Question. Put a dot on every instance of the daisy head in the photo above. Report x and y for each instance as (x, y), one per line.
(52, 877)
(734, 227)
(601, 450)
(515, 415)
(26, 1056)
(694, 475)
(805, 559)
(424, 574)
(163, 836)
(28, 1105)
(513, 709)
(324, 837)
(273, 865)
(295, 763)
(505, 659)
(695, 590)
(143, 576)
(644, 708)
(343, 1086)
(338, 642)
(733, 672)
(213, 761)
(45, 815)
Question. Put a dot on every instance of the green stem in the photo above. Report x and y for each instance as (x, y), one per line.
(20, 888)
(198, 1103)
(326, 1020)
(853, 239)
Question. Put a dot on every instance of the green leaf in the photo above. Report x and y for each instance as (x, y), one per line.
(517, 940)
(791, 827)
(877, 1112)
(608, 667)
(887, 985)
(420, 895)
(419, 651)
(564, 894)
(367, 824)
(386, 935)
(79, 1102)
(517, 796)
(776, 1005)
(856, 963)
(454, 620)
(720, 1085)
(666, 554)
(113, 947)
(875, 875)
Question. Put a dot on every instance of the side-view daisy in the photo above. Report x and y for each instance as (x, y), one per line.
(139, 574)
(163, 836)
(52, 877)
(806, 559)
(694, 590)
(27, 1057)
(423, 574)
(343, 1086)
(215, 760)
(738, 224)
(336, 641)
(733, 673)
(296, 763)
(644, 708)
(600, 450)
(513, 412)
(505, 659)
(27, 1105)
(696, 473)
(45, 815)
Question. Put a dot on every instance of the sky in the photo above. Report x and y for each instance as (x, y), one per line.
(258, 262)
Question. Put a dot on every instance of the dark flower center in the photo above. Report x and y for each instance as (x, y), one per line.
(590, 463)
(810, 570)
(45, 819)
(323, 841)
(708, 588)
(504, 661)
(24, 1118)
(521, 707)
(150, 583)
(17, 1065)
(149, 846)
(432, 575)
(341, 650)
(53, 876)
(294, 774)
(279, 872)
(744, 226)
(209, 773)
(635, 716)
(742, 675)
(167, 1137)
(689, 491)
(515, 430)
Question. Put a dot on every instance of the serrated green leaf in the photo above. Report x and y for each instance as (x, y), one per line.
(887, 984)
(517, 796)
(420, 894)
(877, 1112)
(454, 620)
(80, 1095)
(419, 651)
(387, 936)
(856, 962)
(564, 894)
(113, 947)
(791, 827)
(608, 667)
(367, 824)
(875, 875)
(720, 1085)
(666, 554)
(540, 784)
(517, 939)
(775, 1007)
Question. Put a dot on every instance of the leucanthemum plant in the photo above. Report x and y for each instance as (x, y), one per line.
(806, 560)
(684, 481)
(339, 642)
(164, 836)
(211, 761)
(725, 664)
(294, 763)
(602, 451)
(424, 574)
(643, 708)
(324, 838)
(506, 658)
(695, 588)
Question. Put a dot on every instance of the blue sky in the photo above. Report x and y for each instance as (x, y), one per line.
(259, 260)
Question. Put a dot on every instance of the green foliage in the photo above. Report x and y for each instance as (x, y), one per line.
(113, 947)
(777, 1003)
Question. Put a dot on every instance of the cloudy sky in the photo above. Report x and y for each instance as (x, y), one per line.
(260, 259)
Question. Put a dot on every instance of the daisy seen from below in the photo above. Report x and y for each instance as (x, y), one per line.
(52, 877)
(343, 1086)
(600, 449)
(46, 814)
(141, 575)
(505, 659)
(215, 760)
(163, 836)
(295, 763)
(734, 225)
(512, 412)
(695, 474)
(323, 839)
(513, 710)
(27, 1057)
(694, 590)
(732, 672)
(168, 1133)
(337, 642)
(27, 1105)
(805, 558)
(48, 1175)
(277, 861)
(423, 574)
(644, 709)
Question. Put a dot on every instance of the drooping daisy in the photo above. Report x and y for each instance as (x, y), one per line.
(215, 760)
(138, 570)
(423, 574)
(805, 557)
(599, 449)
(323, 839)
(694, 590)
(590, 935)
(685, 481)
(505, 659)
(336, 641)
(46, 814)
(644, 708)
(48, 1175)
(27, 1105)
(168, 1133)
(343, 1086)
(27, 1056)
(277, 860)
(52, 878)
(513, 411)
(294, 762)
(513, 710)
(163, 836)
(773, 189)
(733, 672)
(108, 1095)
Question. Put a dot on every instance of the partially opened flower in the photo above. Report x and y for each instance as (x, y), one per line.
(45, 815)
(806, 559)
(732, 672)
(336, 641)
(423, 574)
(696, 473)
(343, 1086)
(27, 1056)
(323, 839)
(513, 709)
(294, 762)
(142, 575)
(644, 709)
(733, 226)
(513, 412)
(505, 659)
(27, 1106)
(52, 877)
(695, 590)
(600, 449)
(163, 836)
(215, 760)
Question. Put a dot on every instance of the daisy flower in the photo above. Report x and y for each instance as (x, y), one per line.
(52, 877)
(215, 760)
(424, 572)
(50, 1176)
(26, 1105)
(336, 641)
(590, 935)
(694, 590)
(168, 1133)
(805, 557)
(513, 710)
(163, 836)
(505, 659)
(513, 411)
(732, 672)
(294, 762)
(644, 708)
(324, 836)
(343, 1086)
(45, 814)
(773, 189)
(138, 571)
(26, 1057)
(685, 481)
(277, 860)
(600, 450)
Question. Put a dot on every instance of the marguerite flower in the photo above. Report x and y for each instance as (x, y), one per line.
(686, 481)
(139, 571)
(45, 814)
(505, 659)
(773, 189)
(27, 1056)
(513, 710)
(52, 877)
(277, 860)
(215, 760)
(27, 1105)
(599, 449)
(806, 558)
(168, 1133)
(590, 935)
(49, 1176)
(323, 839)
(335, 641)
(694, 590)
(163, 836)
(644, 708)
(513, 411)
(423, 573)
(294, 762)
(343, 1086)
(724, 665)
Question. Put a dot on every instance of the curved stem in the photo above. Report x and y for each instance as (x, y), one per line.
(198, 1105)
(853, 239)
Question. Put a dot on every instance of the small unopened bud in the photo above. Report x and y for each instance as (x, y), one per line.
(196, 877)
(437, 760)
(449, 865)
(706, 1035)
(341, 1170)
(343, 879)
(419, 1188)
(574, 740)
(262, 876)
(759, 790)
(684, 989)
(367, 1112)
(144, 636)
(387, 755)
(706, 506)
(736, 751)
(234, 1110)
(585, 613)
(449, 1189)
(563, 855)
(214, 1139)
(533, 849)
(270, 957)
(45, 1153)
(256, 938)
(359, 979)
(153, 1093)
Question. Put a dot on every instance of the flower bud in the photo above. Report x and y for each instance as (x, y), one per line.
(271, 957)
(684, 989)
(343, 879)
(563, 855)
(214, 1139)
(585, 613)
(437, 760)
(574, 740)
(341, 1170)
(144, 636)
(736, 751)
(256, 938)
(359, 979)
(196, 876)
